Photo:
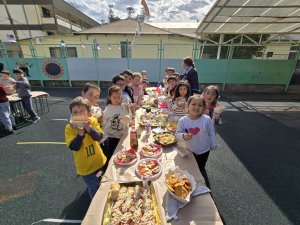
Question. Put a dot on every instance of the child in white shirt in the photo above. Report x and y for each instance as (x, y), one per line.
(198, 131)
(115, 118)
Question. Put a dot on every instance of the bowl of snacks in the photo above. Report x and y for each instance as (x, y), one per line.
(180, 184)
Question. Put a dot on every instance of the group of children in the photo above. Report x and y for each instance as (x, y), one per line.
(10, 86)
(94, 144)
(195, 116)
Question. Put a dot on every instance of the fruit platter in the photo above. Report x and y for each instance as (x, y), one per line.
(125, 157)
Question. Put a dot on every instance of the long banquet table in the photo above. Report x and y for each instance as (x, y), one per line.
(201, 210)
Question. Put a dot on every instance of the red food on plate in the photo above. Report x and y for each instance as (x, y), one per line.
(125, 157)
(148, 167)
(151, 150)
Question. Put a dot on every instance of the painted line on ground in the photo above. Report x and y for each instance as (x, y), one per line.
(50, 220)
(60, 119)
(40, 143)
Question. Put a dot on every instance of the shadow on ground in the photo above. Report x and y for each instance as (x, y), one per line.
(269, 151)
(77, 209)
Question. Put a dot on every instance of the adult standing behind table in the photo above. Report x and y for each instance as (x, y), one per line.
(191, 74)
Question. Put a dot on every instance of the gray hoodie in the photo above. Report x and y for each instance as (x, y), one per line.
(23, 87)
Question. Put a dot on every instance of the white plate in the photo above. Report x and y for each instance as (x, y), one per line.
(181, 173)
(124, 164)
(147, 177)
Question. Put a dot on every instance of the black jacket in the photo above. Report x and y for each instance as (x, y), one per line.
(129, 92)
(192, 78)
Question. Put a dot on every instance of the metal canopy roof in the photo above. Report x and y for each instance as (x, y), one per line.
(252, 17)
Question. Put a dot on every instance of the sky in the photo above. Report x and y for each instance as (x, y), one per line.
(160, 10)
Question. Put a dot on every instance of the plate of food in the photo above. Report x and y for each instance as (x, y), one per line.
(125, 157)
(151, 150)
(180, 184)
(148, 168)
(155, 122)
(165, 139)
(171, 127)
(79, 121)
(131, 203)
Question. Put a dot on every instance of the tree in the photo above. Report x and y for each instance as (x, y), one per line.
(141, 16)
(130, 11)
(111, 16)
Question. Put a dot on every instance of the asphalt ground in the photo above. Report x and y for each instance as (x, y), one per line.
(254, 174)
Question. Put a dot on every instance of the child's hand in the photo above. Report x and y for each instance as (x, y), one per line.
(80, 131)
(187, 136)
(217, 116)
(88, 125)
(133, 107)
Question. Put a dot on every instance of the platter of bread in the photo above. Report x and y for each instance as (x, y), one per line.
(131, 204)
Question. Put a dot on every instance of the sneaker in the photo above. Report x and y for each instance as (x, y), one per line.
(34, 120)
(8, 132)
(14, 127)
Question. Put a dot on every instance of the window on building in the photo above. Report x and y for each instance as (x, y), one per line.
(46, 12)
(55, 52)
(49, 33)
(125, 49)
(269, 54)
(259, 54)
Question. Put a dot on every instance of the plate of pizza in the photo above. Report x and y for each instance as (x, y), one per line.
(148, 168)
(151, 150)
(125, 157)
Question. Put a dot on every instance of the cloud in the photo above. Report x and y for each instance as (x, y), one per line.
(160, 10)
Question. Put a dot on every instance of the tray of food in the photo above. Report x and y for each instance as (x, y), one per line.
(180, 184)
(171, 127)
(148, 169)
(125, 157)
(131, 203)
(165, 139)
(151, 150)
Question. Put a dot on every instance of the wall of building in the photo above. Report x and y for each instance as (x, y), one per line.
(147, 46)
(210, 71)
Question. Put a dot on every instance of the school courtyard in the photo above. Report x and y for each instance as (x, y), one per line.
(254, 174)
